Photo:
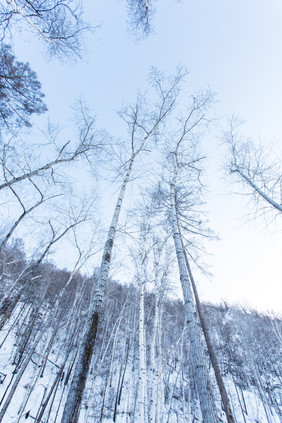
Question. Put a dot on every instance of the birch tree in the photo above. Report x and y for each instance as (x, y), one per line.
(152, 258)
(25, 210)
(31, 272)
(144, 123)
(259, 175)
(141, 254)
(183, 196)
(56, 313)
(140, 14)
(197, 353)
(219, 379)
(58, 23)
(18, 163)
(162, 263)
(142, 402)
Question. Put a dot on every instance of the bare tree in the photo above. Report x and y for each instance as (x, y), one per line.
(219, 379)
(197, 352)
(59, 23)
(144, 123)
(140, 13)
(255, 170)
(56, 235)
(141, 256)
(56, 313)
(25, 210)
(181, 198)
(162, 263)
(19, 166)
(184, 200)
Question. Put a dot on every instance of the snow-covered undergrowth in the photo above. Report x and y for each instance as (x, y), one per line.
(40, 338)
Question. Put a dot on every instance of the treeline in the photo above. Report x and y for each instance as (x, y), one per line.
(42, 325)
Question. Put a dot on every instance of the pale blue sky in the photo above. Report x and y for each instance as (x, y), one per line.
(235, 48)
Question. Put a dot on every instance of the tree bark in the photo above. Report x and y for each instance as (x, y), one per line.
(219, 379)
(71, 410)
(142, 385)
(257, 189)
(135, 118)
(197, 352)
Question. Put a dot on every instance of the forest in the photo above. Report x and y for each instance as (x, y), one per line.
(105, 238)
(41, 338)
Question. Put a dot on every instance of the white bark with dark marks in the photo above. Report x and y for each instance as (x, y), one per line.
(74, 398)
(197, 352)
(141, 129)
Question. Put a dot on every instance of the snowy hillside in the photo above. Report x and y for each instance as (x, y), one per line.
(42, 326)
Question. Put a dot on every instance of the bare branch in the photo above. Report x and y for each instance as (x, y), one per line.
(253, 168)
(59, 24)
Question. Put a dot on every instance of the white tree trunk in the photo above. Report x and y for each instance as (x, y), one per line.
(167, 91)
(157, 376)
(262, 194)
(71, 410)
(197, 351)
(142, 385)
(160, 385)
(155, 370)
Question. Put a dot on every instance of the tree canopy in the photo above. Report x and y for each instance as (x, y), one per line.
(20, 91)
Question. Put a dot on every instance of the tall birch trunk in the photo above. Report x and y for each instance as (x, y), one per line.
(55, 314)
(74, 398)
(160, 383)
(157, 388)
(142, 385)
(219, 379)
(260, 192)
(155, 365)
(141, 130)
(197, 352)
